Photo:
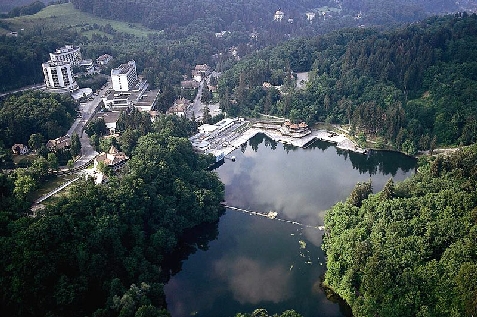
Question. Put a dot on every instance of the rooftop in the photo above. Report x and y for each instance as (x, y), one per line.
(123, 68)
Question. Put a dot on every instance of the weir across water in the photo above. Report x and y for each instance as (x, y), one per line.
(273, 216)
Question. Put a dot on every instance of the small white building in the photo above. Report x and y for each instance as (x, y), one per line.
(310, 16)
(278, 16)
(58, 75)
(124, 78)
(200, 72)
(68, 54)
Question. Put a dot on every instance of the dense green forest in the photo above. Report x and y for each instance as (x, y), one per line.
(413, 87)
(16, 5)
(409, 250)
(100, 250)
(258, 14)
(45, 114)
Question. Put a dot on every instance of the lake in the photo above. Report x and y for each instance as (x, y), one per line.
(255, 262)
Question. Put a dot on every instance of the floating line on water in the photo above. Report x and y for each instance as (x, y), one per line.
(273, 216)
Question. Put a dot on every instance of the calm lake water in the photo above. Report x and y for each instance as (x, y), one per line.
(254, 262)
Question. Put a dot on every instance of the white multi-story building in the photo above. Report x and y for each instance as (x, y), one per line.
(58, 75)
(124, 78)
(68, 54)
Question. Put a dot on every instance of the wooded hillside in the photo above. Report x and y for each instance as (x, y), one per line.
(409, 250)
(256, 14)
(413, 87)
(100, 250)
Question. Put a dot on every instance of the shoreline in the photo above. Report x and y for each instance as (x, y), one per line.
(339, 140)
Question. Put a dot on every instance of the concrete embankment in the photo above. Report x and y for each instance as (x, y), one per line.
(340, 140)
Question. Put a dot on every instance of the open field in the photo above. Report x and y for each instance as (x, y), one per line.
(66, 16)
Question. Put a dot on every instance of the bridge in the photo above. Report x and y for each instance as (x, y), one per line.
(273, 216)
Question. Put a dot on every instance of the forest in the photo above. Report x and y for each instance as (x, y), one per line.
(104, 250)
(101, 250)
(408, 250)
(410, 88)
(258, 14)
(34, 112)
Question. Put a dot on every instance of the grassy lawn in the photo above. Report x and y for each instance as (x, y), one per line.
(65, 15)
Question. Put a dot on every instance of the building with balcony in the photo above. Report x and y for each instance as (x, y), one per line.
(67, 54)
(59, 75)
(124, 78)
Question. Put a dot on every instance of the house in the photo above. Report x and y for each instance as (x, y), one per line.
(114, 159)
(59, 143)
(310, 16)
(104, 59)
(20, 149)
(294, 129)
(179, 108)
(200, 72)
(110, 119)
(278, 15)
(189, 84)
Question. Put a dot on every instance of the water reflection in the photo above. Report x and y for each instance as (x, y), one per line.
(252, 282)
(372, 163)
(194, 239)
(258, 262)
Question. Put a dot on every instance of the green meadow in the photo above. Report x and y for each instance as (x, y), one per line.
(66, 16)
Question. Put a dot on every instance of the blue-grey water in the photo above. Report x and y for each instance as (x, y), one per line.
(255, 262)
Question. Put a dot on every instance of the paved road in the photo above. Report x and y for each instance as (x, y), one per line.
(38, 86)
(196, 108)
(87, 110)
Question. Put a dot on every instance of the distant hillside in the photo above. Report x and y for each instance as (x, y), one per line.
(410, 88)
(8, 5)
(252, 14)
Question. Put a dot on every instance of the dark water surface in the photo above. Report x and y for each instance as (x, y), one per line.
(255, 262)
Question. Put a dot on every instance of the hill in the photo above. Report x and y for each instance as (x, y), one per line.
(410, 88)
(409, 250)
(39, 34)
(8, 5)
(65, 16)
(258, 15)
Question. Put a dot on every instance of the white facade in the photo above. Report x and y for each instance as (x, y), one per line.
(278, 16)
(58, 75)
(68, 54)
(124, 78)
